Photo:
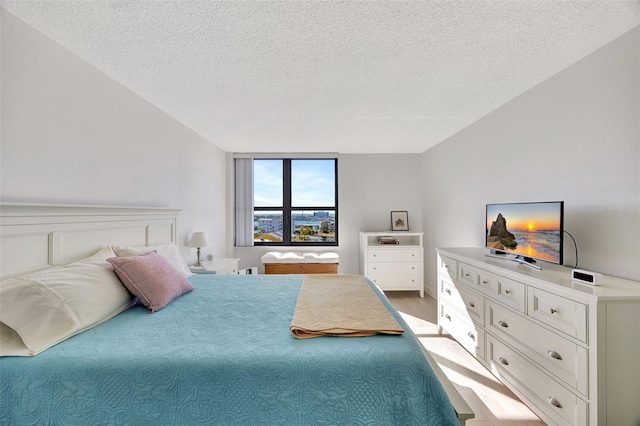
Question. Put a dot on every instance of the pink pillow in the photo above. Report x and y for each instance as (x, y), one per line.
(151, 278)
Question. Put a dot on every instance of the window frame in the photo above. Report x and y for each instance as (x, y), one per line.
(287, 208)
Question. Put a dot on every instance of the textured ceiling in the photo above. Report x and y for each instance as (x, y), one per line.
(348, 76)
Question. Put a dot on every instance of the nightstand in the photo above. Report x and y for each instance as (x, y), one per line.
(217, 266)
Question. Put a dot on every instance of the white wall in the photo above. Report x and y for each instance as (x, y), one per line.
(575, 137)
(370, 186)
(72, 135)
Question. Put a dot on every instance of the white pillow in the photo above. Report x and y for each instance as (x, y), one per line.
(49, 306)
(11, 343)
(168, 251)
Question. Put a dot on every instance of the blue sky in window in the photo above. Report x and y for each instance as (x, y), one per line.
(313, 183)
(267, 183)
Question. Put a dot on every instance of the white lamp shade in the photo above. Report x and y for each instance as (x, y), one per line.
(198, 239)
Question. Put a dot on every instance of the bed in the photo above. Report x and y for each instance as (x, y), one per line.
(221, 353)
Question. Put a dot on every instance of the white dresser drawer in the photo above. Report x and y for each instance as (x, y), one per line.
(396, 282)
(469, 302)
(472, 338)
(384, 268)
(448, 267)
(467, 274)
(572, 342)
(506, 290)
(559, 356)
(556, 401)
(563, 314)
(511, 293)
(394, 254)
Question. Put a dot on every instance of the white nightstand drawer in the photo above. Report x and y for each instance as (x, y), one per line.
(220, 266)
(564, 359)
(470, 303)
(551, 397)
(228, 270)
(563, 314)
(394, 254)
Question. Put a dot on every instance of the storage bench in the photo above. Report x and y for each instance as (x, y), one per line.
(276, 262)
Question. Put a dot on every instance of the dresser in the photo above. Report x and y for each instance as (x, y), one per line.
(394, 266)
(568, 350)
(222, 266)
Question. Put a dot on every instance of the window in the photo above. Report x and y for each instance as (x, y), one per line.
(295, 201)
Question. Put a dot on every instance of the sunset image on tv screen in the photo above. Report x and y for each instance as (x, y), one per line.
(528, 229)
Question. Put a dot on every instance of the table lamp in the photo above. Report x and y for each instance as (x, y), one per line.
(198, 240)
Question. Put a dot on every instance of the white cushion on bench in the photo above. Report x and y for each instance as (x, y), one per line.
(298, 257)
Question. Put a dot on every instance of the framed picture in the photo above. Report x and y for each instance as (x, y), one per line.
(399, 221)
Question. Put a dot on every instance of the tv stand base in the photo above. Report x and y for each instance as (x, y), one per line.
(519, 259)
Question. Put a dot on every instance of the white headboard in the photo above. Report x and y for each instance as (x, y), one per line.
(37, 236)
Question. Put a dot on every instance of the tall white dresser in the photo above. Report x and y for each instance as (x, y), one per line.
(570, 351)
(393, 266)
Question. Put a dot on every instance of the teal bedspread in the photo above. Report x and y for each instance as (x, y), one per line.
(223, 355)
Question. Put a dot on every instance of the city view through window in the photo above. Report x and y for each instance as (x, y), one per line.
(315, 226)
(295, 201)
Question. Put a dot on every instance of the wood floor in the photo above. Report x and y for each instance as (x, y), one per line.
(491, 401)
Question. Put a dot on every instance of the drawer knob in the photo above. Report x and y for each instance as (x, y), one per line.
(552, 311)
(472, 336)
(466, 274)
(503, 324)
(507, 291)
(447, 317)
(448, 291)
(554, 402)
(485, 282)
(503, 361)
(555, 355)
(472, 305)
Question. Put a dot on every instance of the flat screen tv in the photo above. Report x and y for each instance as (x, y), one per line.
(531, 231)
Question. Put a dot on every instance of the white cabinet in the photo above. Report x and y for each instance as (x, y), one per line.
(393, 266)
(570, 351)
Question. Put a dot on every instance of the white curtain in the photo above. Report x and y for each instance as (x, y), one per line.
(244, 201)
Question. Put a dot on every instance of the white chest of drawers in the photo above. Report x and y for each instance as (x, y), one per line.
(570, 351)
(393, 266)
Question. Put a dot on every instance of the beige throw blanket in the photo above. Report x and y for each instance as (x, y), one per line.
(340, 305)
